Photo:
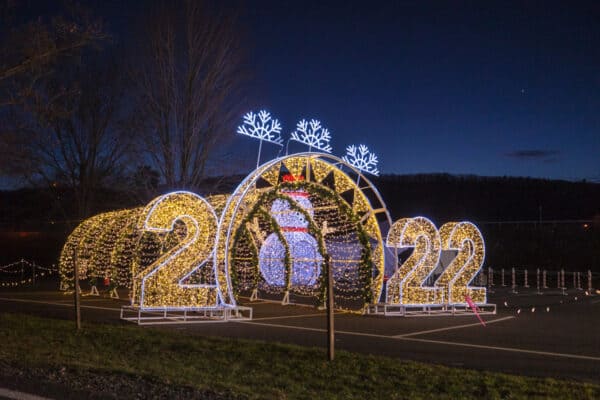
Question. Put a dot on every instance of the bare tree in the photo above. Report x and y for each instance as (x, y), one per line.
(60, 106)
(67, 132)
(188, 77)
(30, 49)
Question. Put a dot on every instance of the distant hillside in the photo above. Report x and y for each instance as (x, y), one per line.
(507, 210)
(445, 197)
(441, 197)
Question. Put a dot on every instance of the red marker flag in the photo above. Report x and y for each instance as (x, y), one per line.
(474, 308)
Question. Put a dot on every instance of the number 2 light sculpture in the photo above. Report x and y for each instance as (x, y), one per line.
(407, 284)
(162, 285)
(466, 239)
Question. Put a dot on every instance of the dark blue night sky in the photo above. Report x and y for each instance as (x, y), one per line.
(485, 88)
(460, 87)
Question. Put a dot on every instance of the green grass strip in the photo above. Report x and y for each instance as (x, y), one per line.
(254, 369)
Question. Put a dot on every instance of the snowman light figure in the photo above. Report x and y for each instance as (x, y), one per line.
(304, 251)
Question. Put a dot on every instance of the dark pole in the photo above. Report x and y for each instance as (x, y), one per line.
(77, 305)
(330, 330)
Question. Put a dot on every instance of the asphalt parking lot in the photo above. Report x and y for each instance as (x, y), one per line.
(553, 334)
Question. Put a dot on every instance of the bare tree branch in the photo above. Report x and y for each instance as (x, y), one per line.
(188, 78)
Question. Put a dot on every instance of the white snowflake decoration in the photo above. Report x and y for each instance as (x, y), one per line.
(313, 135)
(261, 126)
(361, 158)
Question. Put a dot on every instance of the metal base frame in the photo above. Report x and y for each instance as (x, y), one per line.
(166, 316)
(427, 310)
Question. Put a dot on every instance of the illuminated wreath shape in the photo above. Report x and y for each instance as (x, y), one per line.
(336, 218)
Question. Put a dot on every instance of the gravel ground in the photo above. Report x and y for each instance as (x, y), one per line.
(65, 383)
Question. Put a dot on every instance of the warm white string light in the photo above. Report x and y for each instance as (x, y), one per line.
(29, 271)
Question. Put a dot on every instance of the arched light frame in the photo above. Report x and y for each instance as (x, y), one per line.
(227, 221)
(103, 261)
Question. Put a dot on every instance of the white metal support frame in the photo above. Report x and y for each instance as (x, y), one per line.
(427, 310)
(167, 316)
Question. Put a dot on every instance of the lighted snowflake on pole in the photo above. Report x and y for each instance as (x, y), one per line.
(361, 158)
(312, 134)
(262, 127)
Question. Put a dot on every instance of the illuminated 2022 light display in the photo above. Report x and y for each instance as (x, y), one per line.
(285, 225)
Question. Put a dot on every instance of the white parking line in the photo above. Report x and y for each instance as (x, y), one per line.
(16, 395)
(446, 343)
(449, 328)
(299, 328)
(397, 337)
(510, 349)
(294, 316)
(58, 304)
(63, 303)
(267, 301)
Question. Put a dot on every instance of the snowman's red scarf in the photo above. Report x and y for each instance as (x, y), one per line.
(296, 194)
(293, 229)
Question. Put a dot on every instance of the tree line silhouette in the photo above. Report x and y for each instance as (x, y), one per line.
(525, 222)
